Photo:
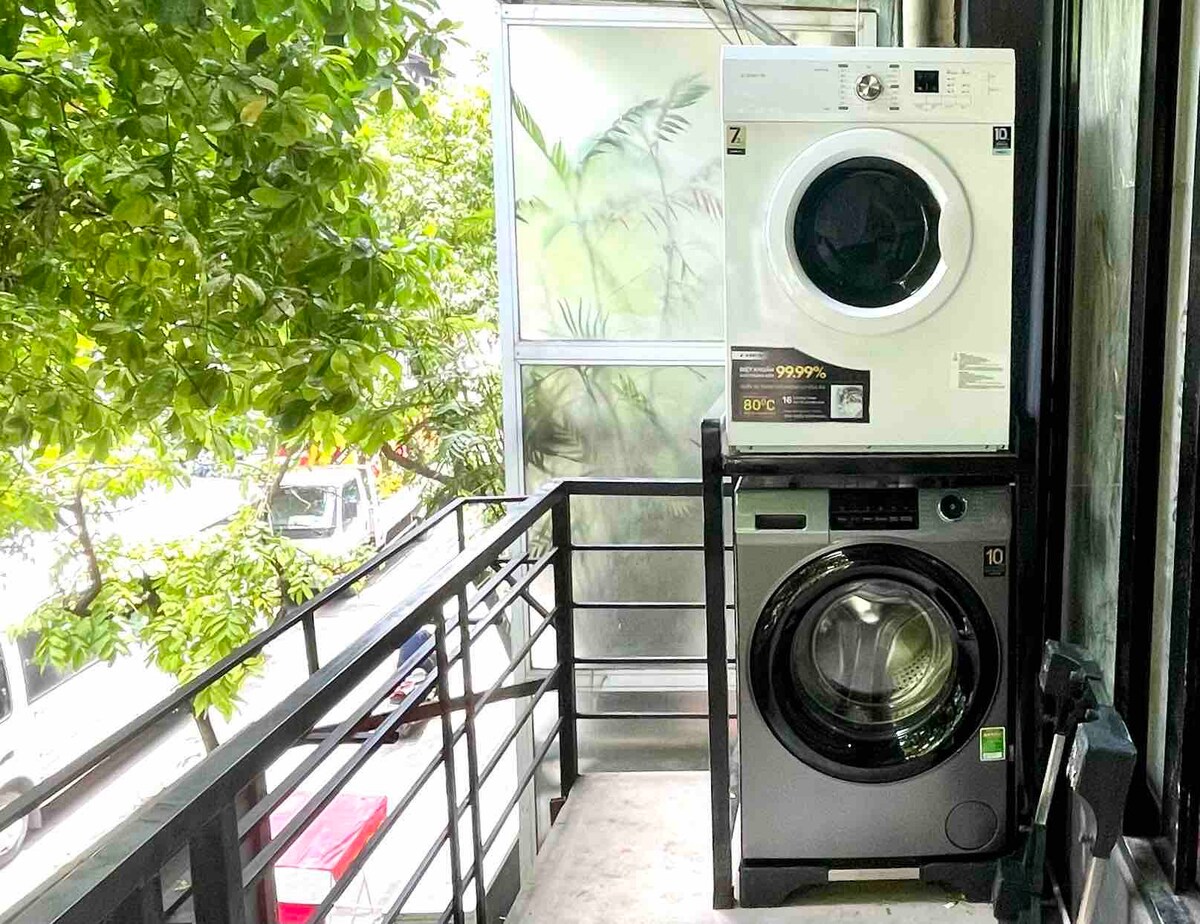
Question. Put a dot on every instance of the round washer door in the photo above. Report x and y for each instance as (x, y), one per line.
(874, 662)
(869, 231)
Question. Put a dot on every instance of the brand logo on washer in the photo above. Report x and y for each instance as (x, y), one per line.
(1001, 139)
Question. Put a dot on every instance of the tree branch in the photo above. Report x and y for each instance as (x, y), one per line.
(411, 465)
(89, 552)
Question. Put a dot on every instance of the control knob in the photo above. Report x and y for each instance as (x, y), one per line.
(868, 87)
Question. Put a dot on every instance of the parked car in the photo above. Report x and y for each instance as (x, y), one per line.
(334, 509)
(48, 717)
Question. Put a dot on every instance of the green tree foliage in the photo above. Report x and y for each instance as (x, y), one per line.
(441, 182)
(197, 256)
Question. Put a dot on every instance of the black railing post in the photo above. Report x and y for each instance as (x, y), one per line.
(216, 859)
(444, 708)
(713, 495)
(564, 630)
(464, 627)
(310, 643)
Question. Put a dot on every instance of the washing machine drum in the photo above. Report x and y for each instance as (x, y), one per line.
(874, 662)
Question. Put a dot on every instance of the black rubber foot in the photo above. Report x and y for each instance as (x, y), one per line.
(972, 878)
(770, 886)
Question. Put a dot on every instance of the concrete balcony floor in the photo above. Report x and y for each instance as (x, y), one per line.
(634, 848)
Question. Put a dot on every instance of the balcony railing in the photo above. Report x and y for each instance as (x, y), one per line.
(212, 829)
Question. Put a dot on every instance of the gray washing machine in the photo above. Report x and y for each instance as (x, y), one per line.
(873, 700)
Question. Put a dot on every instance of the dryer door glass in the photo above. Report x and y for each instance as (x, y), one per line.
(876, 652)
(866, 232)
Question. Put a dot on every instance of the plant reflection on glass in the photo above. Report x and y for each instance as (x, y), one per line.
(622, 196)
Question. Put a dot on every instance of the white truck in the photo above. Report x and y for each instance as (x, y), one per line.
(333, 509)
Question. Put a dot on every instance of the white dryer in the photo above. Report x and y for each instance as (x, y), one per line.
(868, 248)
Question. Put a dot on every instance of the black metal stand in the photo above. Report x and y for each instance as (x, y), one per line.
(769, 884)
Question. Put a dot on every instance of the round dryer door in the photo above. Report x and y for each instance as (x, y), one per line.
(869, 231)
(874, 662)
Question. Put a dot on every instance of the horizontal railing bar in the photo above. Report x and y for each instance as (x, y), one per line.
(541, 610)
(510, 596)
(262, 861)
(550, 683)
(95, 883)
(640, 547)
(495, 580)
(389, 821)
(640, 605)
(640, 661)
(515, 661)
(179, 902)
(534, 764)
(336, 736)
(645, 715)
(633, 487)
(424, 712)
(182, 697)
(417, 876)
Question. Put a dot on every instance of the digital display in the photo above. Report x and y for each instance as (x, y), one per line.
(925, 81)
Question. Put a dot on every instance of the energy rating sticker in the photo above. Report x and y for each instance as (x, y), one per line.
(993, 743)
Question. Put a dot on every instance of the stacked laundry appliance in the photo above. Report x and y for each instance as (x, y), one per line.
(868, 249)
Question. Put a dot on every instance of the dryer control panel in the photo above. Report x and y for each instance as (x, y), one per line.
(784, 83)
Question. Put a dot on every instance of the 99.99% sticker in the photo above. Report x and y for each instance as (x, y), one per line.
(799, 372)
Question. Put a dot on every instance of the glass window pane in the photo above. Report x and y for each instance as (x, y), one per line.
(621, 421)
(1108, 105)
(38, 680)
(619, 210)
(5, 694)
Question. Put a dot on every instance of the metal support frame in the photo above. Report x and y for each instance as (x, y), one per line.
(1181, 783)
(564, 605)
(720, 781)
(1011, 468)
(1148, 311)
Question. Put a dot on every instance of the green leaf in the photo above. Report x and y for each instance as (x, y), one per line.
(134, 210)
(257, 47)
(295, 412)
(265, 83)
(271, 197)
(250, 287)
(253, 109)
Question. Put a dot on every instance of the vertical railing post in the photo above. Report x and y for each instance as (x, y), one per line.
(462, 528)
(443, 688)
(564, 630)
(310, 644)
(713, 496)
(464, 627)
(216, 860)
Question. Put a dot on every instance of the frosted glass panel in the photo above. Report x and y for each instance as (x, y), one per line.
(618, 174)
(1108, 107)
(615, 420)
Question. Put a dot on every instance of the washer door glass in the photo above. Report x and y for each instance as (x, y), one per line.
(865, 232)
(875, 653)
(874, 662)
